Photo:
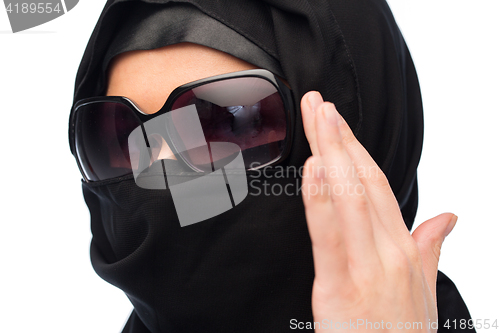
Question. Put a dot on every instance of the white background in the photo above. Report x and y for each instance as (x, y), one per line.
(47, 282)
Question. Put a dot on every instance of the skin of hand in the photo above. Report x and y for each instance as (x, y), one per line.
(367, 264)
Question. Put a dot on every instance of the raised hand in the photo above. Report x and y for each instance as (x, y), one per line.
(368, 267)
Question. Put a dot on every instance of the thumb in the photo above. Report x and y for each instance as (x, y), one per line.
(429, 237)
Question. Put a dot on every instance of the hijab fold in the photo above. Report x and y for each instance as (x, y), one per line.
(250, 269)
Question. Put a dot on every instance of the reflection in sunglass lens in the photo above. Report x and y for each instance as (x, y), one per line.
(246, 111)
(101, 139)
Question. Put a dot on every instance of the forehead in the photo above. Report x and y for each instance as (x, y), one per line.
(147, 77)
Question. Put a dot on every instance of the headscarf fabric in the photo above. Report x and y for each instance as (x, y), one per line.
(250, 269)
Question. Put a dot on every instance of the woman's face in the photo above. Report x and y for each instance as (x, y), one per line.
(148, 77)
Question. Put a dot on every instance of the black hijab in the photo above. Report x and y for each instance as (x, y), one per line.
(250, 269)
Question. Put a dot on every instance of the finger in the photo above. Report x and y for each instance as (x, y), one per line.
(377, 188)
(329, 252)
(309, 103)
(429, 237)
(349, 202)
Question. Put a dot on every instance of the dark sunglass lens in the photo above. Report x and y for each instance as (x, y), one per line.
(248, 112)
(101, 138)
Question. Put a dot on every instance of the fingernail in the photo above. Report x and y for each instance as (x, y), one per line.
(331, 114)
(451, 225)
(314, 100)
(340, 118)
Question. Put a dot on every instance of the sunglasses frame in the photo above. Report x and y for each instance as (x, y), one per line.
(283, 90)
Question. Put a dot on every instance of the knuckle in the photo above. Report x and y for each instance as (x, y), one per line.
(333, 242)
(400, 262)
(356, 202)
(348, 137)
(436, 250)
(432, 246)
(360, 203)
(334, 145)
(414, 255)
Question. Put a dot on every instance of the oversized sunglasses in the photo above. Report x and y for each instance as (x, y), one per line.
(252, 110)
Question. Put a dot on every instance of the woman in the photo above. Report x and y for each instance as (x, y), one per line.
(251, 268)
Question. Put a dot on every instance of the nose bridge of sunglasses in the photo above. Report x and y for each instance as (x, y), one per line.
(170, 135)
